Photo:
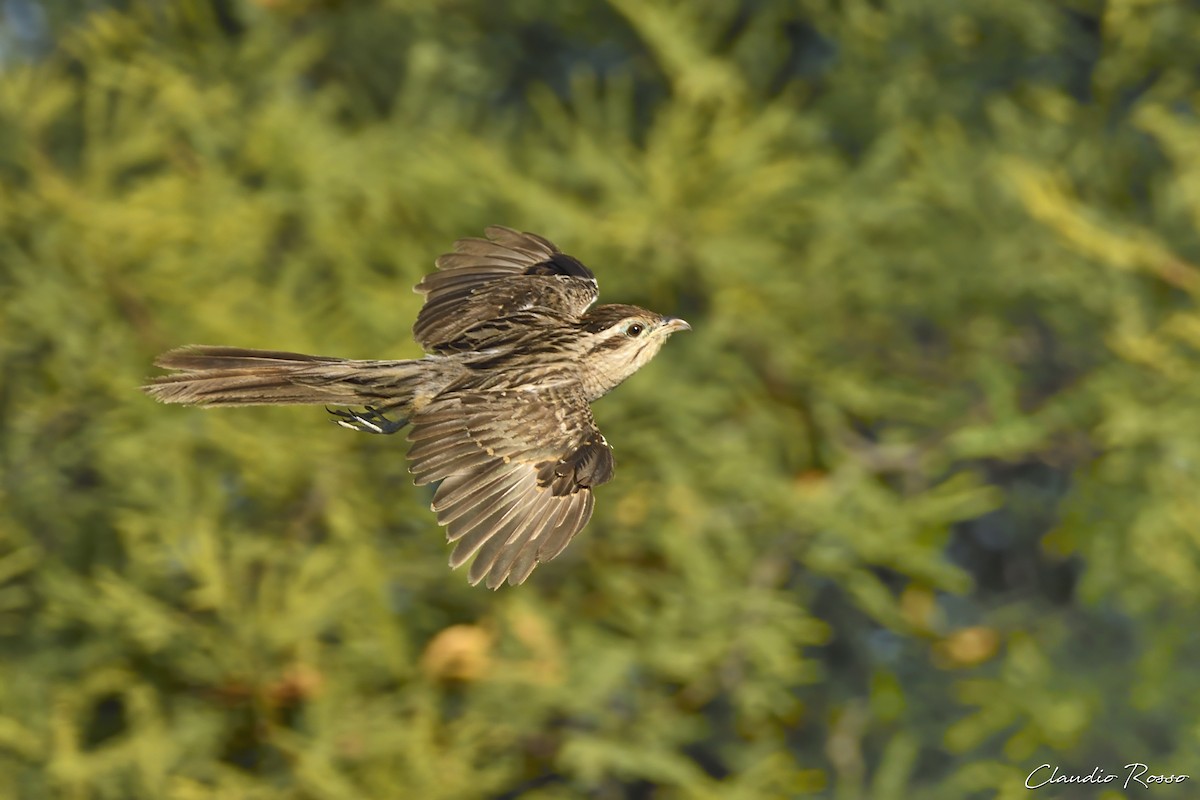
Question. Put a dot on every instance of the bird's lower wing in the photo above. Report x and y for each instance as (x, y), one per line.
(517, 469)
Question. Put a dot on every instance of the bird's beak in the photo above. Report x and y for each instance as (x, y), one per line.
(673, 324)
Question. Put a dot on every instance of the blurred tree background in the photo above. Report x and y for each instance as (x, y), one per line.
(913, 510)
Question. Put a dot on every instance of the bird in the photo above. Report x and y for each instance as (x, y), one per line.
(498, 410)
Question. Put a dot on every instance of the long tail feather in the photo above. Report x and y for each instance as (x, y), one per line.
(234, 376)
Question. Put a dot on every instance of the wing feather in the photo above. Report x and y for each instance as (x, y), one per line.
(575, 516)
(517, 472)
(485, 559)
(497, 527)
(459, 489)
(502, 497)
(521, 544)
(486, 279)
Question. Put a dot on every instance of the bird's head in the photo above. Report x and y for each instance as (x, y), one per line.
(620, 340)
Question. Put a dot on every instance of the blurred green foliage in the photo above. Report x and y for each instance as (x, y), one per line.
(913, 510)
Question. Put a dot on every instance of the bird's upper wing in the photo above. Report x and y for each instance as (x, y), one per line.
(517, 468)
(484, 279)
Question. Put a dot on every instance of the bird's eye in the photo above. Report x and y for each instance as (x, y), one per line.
(635, 329)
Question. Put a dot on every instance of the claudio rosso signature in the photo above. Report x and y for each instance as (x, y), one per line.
(1134, 774)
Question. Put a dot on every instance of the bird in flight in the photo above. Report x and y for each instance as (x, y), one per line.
(498, 408)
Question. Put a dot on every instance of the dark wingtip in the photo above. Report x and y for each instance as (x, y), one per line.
(561, 264)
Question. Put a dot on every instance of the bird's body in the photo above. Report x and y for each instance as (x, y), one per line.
(499, 407)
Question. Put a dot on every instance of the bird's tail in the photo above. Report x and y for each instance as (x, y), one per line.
(235, 376)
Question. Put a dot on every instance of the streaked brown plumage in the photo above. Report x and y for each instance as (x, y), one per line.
(499, 408)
